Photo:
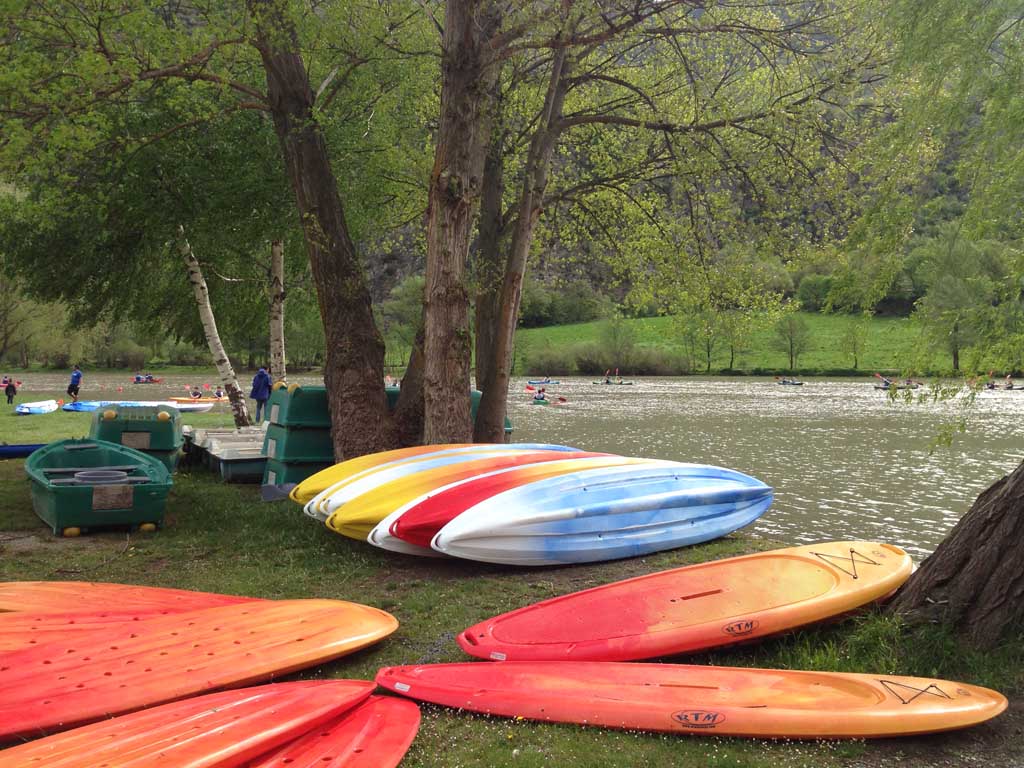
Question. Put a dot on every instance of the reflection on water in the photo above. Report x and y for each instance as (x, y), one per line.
(845, 462)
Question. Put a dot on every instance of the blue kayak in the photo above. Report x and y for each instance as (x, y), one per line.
(18, 451)
(531, 381)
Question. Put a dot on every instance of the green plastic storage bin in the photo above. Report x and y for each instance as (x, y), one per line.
(281, 472)
(298, 444)
(83, 484)
(150, 429)
(295, 406)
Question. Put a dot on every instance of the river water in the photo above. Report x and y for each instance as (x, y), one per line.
(845, 461)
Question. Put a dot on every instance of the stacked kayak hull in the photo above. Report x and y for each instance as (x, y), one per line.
(35, 409)
(352, 469)
(715, 701)
(696, 607)
(529, 504)
(357, 510)
(375, 734)
(225, 729)
(605, 514)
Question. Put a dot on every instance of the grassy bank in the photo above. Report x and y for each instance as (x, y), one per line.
(221, 538)
(891, 345)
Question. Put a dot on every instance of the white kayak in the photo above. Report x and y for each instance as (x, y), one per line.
(33, 409)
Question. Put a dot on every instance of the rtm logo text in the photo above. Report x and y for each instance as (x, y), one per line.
(698, 718)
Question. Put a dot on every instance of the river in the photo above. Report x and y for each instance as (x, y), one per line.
(844, 460)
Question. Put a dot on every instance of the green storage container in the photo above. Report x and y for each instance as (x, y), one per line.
(298, 444)
(155, 430)
(83, 484)
(281, 472)
(295, 406)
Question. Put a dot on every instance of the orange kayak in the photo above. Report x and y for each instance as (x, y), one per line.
(376, 734)
(82, 596)
(717, 701)
(212, 731)
(198, 399)
(58, 684)
(696, 607)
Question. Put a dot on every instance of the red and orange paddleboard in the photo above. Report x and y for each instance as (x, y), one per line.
(219, 730)
(376, 734)
(696, 607)
(90, 597)
(63, 683)
(719, 701)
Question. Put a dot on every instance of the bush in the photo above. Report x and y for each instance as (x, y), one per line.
(181, 353)
(813, 292)
(548, 360)
(544, 305)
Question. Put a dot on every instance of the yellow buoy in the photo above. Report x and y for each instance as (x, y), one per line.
(72, 532)
(108, 415)
(147, 527)
(163, 416)
(292, 387)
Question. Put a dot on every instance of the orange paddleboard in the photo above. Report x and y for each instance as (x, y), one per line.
(696, 607)
(218, 730)
(90, 675)
(90, 596)
(376, 734)
(718, 701)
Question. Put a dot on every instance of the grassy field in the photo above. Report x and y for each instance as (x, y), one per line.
(892, 345)
(221, 538)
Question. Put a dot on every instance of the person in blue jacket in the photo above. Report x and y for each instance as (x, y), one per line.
(75, 384)
(260, 392)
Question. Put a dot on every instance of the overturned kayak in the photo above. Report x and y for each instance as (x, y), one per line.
(34, 409)
(712, 701)
(95, 405)
(696, 607)
(604, 513)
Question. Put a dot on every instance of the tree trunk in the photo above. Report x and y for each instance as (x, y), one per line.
(974, 581)
(490, 417)
(220, 357)
(466, 76)
(354, 361)
(409, 408)
(278, 370)
(489, 267)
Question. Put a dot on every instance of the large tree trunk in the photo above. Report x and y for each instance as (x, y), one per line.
(220, 358)
(409, 408)
(354, 361)
(974, 581)
(278, 369)
(466, 76)
(489, 265)
(490, 417)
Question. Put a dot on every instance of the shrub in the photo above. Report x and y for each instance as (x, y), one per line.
(813, 292)
(548, 360)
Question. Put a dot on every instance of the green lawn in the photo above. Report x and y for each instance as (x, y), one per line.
(221, 538)
(893, 344)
